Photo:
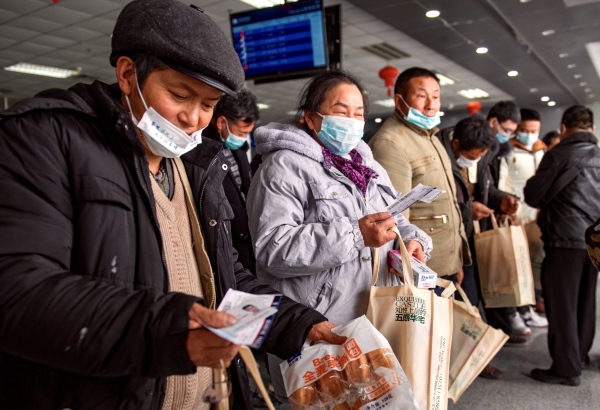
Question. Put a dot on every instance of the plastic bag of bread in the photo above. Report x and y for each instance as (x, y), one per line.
(361, 374)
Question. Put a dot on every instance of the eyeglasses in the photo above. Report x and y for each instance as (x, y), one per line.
(221, 387)
(508, 132)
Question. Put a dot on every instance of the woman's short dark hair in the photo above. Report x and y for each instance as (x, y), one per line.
(473, 132)
(144, 65)
(316, 90)
(504, 111)
(235, 108)
(578, 116)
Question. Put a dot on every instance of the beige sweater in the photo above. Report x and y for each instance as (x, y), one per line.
(184, 392)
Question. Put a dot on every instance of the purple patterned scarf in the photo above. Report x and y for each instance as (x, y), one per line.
(353, 169)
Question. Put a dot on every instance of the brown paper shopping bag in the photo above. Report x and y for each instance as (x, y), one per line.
(504, 266)
(474, 345)
(418, 325)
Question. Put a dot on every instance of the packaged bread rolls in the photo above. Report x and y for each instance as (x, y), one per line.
(304, 397)
(359, 371)
(379, 358)
(331, 384)
(360, 374)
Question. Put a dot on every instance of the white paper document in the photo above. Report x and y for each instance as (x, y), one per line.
(253, 314)
(421, 193)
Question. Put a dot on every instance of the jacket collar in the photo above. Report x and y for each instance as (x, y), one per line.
(421, 131)
(579, 137)
(537, 146)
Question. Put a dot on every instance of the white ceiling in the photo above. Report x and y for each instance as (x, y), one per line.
(76, 33)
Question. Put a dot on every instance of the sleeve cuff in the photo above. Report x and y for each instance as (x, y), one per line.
(359, 242)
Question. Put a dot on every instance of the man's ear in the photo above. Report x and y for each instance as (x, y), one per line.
(455, 144)
(563, 131)
(399, 104)
(126, 76)
(220, 123)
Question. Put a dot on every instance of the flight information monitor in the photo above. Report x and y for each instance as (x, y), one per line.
(281, 39)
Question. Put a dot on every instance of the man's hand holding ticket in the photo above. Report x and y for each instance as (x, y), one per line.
(253, 314)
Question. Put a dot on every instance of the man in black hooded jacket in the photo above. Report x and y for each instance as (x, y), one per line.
(565, 188)
(94, 314)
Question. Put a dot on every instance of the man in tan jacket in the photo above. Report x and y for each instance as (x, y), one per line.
(406, 146)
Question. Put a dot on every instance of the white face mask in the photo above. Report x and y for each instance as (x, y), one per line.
(463, 162)
(163, 138)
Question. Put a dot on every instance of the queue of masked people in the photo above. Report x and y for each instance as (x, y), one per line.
(130, 209)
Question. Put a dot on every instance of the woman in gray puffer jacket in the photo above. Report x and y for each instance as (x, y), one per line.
(315, 205)
(305, 214)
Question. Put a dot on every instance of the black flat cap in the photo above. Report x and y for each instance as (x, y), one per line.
(181, 36)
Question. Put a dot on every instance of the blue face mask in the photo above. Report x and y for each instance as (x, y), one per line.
(421, 120)
(527, 139)
(340, 135)
(233, 142)
(502, 137)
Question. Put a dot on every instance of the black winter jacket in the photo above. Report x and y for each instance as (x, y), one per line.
(564, 219)
(87, 320)
(485, 189)
(240, 232)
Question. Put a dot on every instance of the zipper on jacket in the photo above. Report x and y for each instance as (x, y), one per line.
(152, 214)
(154, 404)
(205, 182)
(444, 218)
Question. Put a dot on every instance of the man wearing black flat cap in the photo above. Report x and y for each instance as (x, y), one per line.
(115, 245)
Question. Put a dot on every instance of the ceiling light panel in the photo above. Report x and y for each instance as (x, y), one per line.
(445, 80)
(45, 71)
(386, 103)
(261, 4)
(473, 93)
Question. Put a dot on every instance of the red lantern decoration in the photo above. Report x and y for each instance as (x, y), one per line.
(473, 107)
(388, 74)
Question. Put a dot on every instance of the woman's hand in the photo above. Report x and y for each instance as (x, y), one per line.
(415, 249)
(375, 229)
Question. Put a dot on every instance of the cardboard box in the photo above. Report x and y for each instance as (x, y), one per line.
(423, 276)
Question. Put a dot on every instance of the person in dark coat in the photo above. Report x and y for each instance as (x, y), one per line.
(567, 208)
(504, 118)
(233, 121)
(467, 145)
(115, 247)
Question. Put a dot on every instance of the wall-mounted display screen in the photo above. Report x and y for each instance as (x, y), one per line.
(282, 39)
